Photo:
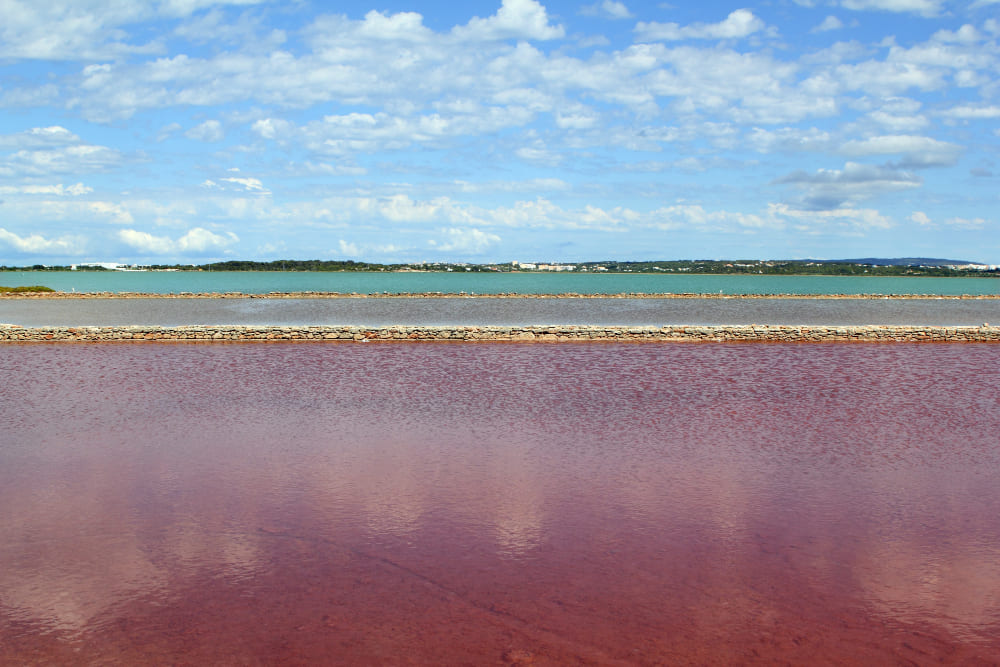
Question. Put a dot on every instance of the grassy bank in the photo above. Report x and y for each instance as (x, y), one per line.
(26, 288)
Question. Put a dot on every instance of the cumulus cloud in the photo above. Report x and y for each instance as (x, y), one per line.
(967, 223)
(611, 9)
(921, 7)
(58, 190)
(353, 133)
(400, 208)
(236, 184)
(516, 19)
(973, 112)
(531, 185)
(247, 184)
(850, 219)
(38, 137)
(72, 159)
(829, 23)
(40, 206)
(466, 240)
(830, 189)
(196, 240)
(38, 244)
(210, 131)
(899, 123)
(789, 139)
(86, 29)
(348, 65)
(43, 151)
(270, 128)
(740, 23)
(915, 151)
(112, 212)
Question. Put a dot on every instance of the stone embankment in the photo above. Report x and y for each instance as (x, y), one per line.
(728, 333)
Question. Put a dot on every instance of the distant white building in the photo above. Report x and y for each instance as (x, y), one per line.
(543, 267)
(973, 267)
(111, 266)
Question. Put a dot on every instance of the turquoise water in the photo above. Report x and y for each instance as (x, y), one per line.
(253, 282)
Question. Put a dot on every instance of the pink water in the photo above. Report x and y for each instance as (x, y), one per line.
(491, 504)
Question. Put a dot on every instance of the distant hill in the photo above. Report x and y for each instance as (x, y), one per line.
(898, 261)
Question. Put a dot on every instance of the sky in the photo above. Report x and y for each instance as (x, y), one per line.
(188, 131)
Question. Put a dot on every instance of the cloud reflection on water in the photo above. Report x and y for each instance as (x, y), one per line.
(570, 482)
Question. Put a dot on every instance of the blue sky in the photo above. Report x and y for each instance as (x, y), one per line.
(196, 130)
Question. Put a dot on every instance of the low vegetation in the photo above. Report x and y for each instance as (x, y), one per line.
(25, 288)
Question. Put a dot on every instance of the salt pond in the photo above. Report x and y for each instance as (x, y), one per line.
(499, 503)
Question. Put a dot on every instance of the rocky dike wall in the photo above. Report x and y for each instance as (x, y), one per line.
(673, 333)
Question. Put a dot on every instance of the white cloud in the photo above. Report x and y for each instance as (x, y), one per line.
(401, 27)
(199, 240)
(831, 189)
(38, 137)
(539, 154)
(848, 219)
(747, 87)
(740, 23)
(216, 26)
(58, 190)
(245, 184)
(349, 249)
(86, 29)
(196, 240)
(922, 7)
(789, 139)
(899, 123)
(168, 130)
(41, 206)
(973, 112)
(477, 91)
(179, 8)
(115, 213)
(516, 19)
(695, 216)
(400, 208)
(967, 223)
(532, 185)
(915, 151)
(37, 244)
(920, 218)
(576, 120)
(611, 9)
(465, 240)
(210, 131)
(353, 133)
(829, 23)
(885, 78)
(270, 128)
(43, 151)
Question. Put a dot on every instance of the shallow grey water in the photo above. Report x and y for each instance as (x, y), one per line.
(361, 282)
(495, 311)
